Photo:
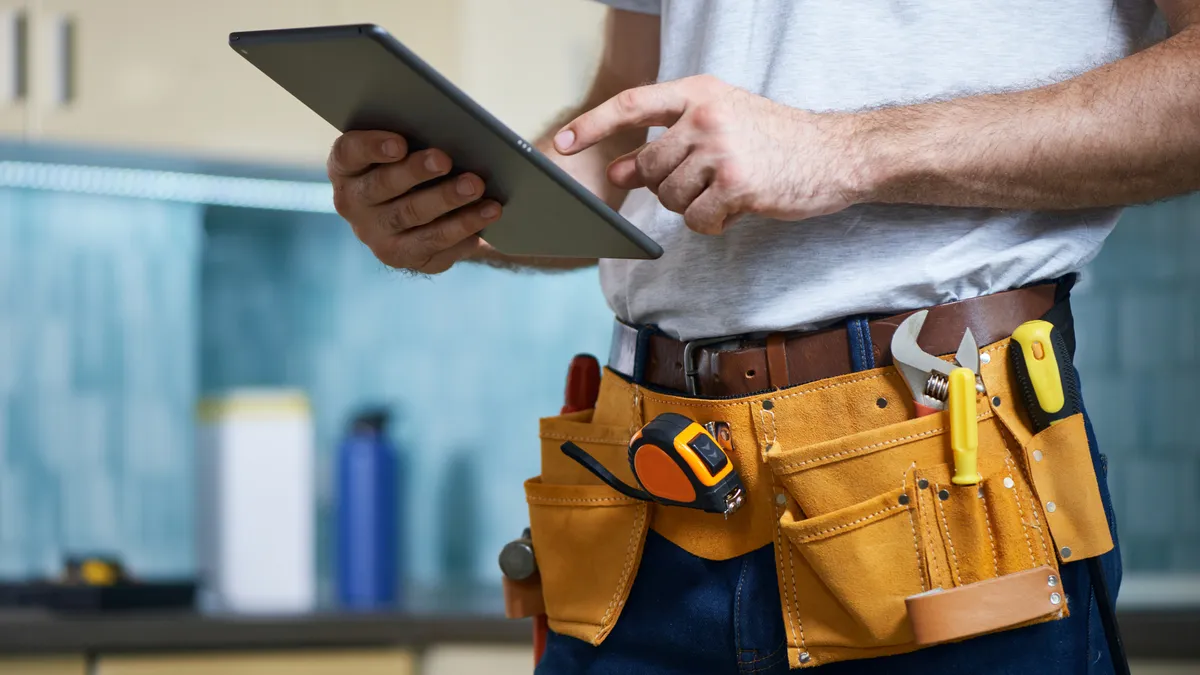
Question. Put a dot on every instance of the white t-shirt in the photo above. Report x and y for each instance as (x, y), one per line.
(824, 55)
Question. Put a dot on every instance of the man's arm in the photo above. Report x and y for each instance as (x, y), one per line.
(629, 59)
(1125, 133)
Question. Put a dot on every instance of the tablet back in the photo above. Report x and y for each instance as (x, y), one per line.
(360, 78)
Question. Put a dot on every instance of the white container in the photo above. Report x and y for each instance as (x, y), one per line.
(256, 502)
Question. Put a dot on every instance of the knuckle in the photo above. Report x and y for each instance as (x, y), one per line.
(393, 181)
(407, 213)
(627, 101)
(644, 163)
(672, 199)
(730, 177)
(340, 152)
(709, 117)
(428, 240)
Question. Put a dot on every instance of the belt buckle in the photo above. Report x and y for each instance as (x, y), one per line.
(691, 371)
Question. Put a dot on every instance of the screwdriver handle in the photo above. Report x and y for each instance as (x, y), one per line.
(964, 427)
(1044, 375)
(583, 384)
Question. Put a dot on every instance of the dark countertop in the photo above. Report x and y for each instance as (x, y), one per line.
(1166, 634)
(35, 632)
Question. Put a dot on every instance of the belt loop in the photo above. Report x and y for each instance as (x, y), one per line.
(777, 368)
(862, 352)
(641, 354)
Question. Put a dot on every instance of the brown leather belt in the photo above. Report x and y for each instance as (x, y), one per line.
(735, 367)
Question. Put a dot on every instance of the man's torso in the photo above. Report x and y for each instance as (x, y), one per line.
(826, 55)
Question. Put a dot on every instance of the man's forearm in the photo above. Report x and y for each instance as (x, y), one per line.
(1125, 133)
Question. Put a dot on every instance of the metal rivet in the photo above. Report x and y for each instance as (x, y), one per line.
(1052, 581)
(903, 500)
(881, 402)
(1066, 552)
(923, 484)
(768, 404)
(804, 657)
(1051, 507)
(1055, 598)
(985, 358)
(943, 494)
(1008, 482)
(781, 499)
(980, 493)
(996, 401)
(1037, 455)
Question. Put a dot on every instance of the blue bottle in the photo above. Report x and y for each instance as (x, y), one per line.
(366, 505)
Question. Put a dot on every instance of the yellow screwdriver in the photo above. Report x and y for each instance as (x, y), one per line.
(964, 427)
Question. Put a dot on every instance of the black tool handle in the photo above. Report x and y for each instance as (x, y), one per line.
(1072, 401)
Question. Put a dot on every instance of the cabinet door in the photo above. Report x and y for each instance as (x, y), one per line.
(44, 665)
(159, 75)
(333, 662)
(14, 67)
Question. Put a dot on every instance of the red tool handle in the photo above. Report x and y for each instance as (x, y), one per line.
(540, 629)
(583, 384)
(583, 388)
(923, 410)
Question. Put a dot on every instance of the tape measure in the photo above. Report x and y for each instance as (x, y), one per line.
(676, 462)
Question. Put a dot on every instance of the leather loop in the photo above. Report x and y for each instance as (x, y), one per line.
(985, 606)
(777, 370)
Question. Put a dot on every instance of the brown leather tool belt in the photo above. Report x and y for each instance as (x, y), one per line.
(740, 366)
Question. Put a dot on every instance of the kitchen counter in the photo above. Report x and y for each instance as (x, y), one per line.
(35, 632)
(1147, 634)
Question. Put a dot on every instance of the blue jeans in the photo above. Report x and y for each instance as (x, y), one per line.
(692, 616)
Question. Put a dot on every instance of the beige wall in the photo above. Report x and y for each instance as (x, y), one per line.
(158, 74)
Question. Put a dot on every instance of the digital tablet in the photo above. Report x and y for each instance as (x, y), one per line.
(360, 78)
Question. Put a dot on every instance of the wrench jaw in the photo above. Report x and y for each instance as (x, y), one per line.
(917, 366)
(967, 356)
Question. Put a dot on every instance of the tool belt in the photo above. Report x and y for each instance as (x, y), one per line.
(877, 551)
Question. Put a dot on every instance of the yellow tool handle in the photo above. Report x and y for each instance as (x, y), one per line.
(964, 427)
(1041, 363)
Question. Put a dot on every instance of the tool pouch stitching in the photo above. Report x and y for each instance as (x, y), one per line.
(577, 523)
(941, 529)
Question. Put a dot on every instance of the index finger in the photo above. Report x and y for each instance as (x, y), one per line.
(648, 106)
(356, 151)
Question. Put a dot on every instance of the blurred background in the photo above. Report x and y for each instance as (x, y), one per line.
(174, 285)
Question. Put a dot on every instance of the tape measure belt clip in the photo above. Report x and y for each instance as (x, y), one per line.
(676, 462)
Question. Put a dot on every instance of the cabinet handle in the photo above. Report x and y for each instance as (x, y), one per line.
(14, 62)
(65, 56)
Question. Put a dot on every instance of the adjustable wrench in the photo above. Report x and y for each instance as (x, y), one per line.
(927, 376)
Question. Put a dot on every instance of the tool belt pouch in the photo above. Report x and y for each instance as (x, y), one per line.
(587, 537)
(879, 553)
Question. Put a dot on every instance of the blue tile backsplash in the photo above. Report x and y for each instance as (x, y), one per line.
(117, 314)
(98, 334)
